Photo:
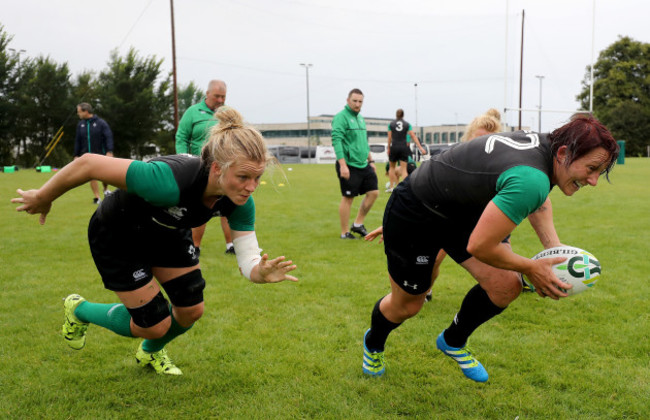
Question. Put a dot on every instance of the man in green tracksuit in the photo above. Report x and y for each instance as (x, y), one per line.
(354, 165)
(192, 132)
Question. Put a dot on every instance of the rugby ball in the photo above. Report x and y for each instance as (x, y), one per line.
(580, 269)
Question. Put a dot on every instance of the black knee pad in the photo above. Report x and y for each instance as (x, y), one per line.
(151, 312)
(186, 290)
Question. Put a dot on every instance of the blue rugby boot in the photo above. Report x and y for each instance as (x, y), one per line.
(374, 363)
(471, 367)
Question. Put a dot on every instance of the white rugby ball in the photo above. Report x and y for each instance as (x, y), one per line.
(580, 269)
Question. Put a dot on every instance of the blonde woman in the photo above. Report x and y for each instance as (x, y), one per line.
(141, 235)
(488, 123)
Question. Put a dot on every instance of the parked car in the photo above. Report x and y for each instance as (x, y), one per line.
(378, 152)
(286, 154)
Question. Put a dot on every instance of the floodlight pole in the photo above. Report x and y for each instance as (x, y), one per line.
(521, 64)
(307, 66)
(591, 70)
(540, 103)
(17, 52)
(171, 4)
(415, 86)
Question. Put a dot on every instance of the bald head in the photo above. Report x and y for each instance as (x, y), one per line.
(215, 96)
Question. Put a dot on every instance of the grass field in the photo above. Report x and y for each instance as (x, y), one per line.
(293, 350)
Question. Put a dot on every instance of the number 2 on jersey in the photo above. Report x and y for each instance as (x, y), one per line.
(534, 142)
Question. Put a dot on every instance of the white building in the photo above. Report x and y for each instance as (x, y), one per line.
(295, 134)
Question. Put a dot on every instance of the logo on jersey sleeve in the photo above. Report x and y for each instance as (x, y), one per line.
(176, 212)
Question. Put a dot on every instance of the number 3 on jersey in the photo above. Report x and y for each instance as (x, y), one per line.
(534, 142)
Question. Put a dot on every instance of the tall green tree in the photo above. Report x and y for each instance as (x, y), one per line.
(10, 85)
(134, 98)
(44, 106)
(621, 97)
(188, 95)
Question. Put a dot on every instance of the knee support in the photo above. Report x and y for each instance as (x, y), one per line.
(151, 312)
(186, 290)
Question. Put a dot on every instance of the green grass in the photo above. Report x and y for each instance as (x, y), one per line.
(293, 350)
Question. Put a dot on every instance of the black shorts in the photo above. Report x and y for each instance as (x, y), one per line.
(124, 255)
(413, 235)
(361, 181)
(398, 153)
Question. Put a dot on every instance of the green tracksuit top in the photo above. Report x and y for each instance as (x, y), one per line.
(350, 139)
(193, 129)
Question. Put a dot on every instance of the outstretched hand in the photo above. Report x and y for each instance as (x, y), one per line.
(33, 203)
(275, 270)
(377, 232)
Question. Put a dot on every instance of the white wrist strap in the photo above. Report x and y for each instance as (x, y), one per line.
(247, 252)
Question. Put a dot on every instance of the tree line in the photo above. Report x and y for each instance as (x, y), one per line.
(38, 98)
(621, 97)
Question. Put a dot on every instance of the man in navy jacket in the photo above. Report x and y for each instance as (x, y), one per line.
(93, 136)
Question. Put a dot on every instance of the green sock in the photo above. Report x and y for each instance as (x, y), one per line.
(112, 316)
(157, 344)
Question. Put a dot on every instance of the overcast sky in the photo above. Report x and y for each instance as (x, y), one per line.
(455, 51)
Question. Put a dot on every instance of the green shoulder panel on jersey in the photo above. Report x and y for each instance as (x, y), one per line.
(153, 181)
(243, 217)
(520, 191)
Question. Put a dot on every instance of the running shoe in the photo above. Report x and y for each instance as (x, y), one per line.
(348, 235)
(74, 330)
(374, 363)
(471, 367)
(159, 361)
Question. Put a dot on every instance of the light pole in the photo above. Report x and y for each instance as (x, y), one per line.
(415, 86)
(175, 88)
(17, 52)
(307, 66)
(540, 103)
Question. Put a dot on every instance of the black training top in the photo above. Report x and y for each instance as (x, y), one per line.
(168, 192)
(400, 129)
(513, 170)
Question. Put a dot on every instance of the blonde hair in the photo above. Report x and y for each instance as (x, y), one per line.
(492, 112)
(232, 140)
(486, 121)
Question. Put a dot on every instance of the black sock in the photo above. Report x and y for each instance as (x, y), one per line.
(476, 309)
(380, 327)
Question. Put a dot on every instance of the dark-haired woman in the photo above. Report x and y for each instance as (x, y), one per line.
(465, 201)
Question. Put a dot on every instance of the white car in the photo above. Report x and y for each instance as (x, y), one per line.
(378, 152)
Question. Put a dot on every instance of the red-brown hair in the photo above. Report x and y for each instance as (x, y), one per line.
(581, 136)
